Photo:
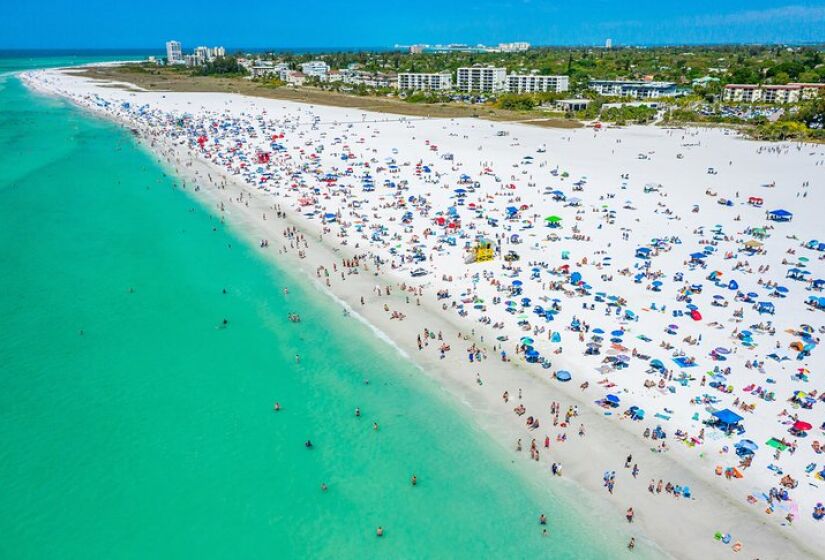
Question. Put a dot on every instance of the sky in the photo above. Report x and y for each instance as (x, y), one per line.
(101, 24)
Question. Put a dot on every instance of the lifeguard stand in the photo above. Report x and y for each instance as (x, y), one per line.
(484, 251)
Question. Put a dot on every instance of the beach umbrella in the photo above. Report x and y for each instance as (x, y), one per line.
(563, 375)
(597, 330)
(721, 350)
(527, 341)
(801, 426)
(552, 219)
(517, 283)
(612, 398)
(617, 333)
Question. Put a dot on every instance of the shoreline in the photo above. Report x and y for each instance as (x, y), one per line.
(583, 459)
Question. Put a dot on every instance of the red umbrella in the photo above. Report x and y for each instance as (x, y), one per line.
(695, 315)
(801, 426)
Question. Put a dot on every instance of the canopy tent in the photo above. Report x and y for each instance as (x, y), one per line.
(779, 215)
(727, 419)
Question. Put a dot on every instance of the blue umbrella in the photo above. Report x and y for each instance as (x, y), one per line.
(612, 398)
(563, 375)
(617, 333)
(598, 331)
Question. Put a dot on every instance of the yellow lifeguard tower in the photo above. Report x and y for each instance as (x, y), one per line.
(484, 251)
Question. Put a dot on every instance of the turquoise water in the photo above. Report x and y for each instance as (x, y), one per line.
(132, 426)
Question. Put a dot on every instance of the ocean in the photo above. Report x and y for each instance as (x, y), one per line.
(134, 424)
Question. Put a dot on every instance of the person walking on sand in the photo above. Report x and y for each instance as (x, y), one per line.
(629, 515)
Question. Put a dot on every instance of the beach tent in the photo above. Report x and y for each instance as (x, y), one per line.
(727, 419)
(643, 252)
(779, 215)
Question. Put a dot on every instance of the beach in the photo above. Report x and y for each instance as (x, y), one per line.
(370, 198)
(138, 423)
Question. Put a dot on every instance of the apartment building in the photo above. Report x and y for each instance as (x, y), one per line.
(174, 52)
(790, 93)
(528, 83)
(633, 88)
(487, 79)
(315, 69)
(423, 81)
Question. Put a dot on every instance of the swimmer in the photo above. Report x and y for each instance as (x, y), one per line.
(357, 412)
(379, 532)
(414, 480)
(308, 444)
(375, 426)
(324, 487)
(277, 407)
(542, 519)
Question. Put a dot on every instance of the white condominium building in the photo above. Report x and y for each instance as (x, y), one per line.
(481, 79)
(752, 93)
(746, 93)
(315, 69)
(809, 91)
(528, 83)
(633, 88)
(174, 53)
(518, 46)
(419, 81)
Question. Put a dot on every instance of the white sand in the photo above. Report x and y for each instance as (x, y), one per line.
(684, 528)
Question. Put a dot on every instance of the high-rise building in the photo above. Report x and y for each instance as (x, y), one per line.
(488, 79)
(608, 44)
(174, 53)
(202, 55)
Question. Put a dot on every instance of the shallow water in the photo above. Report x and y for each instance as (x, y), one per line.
(132, 424)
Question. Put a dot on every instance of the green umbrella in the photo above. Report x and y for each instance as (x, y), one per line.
(552, 219)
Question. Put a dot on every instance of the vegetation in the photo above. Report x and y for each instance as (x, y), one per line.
(629, 114)
(226, 66)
